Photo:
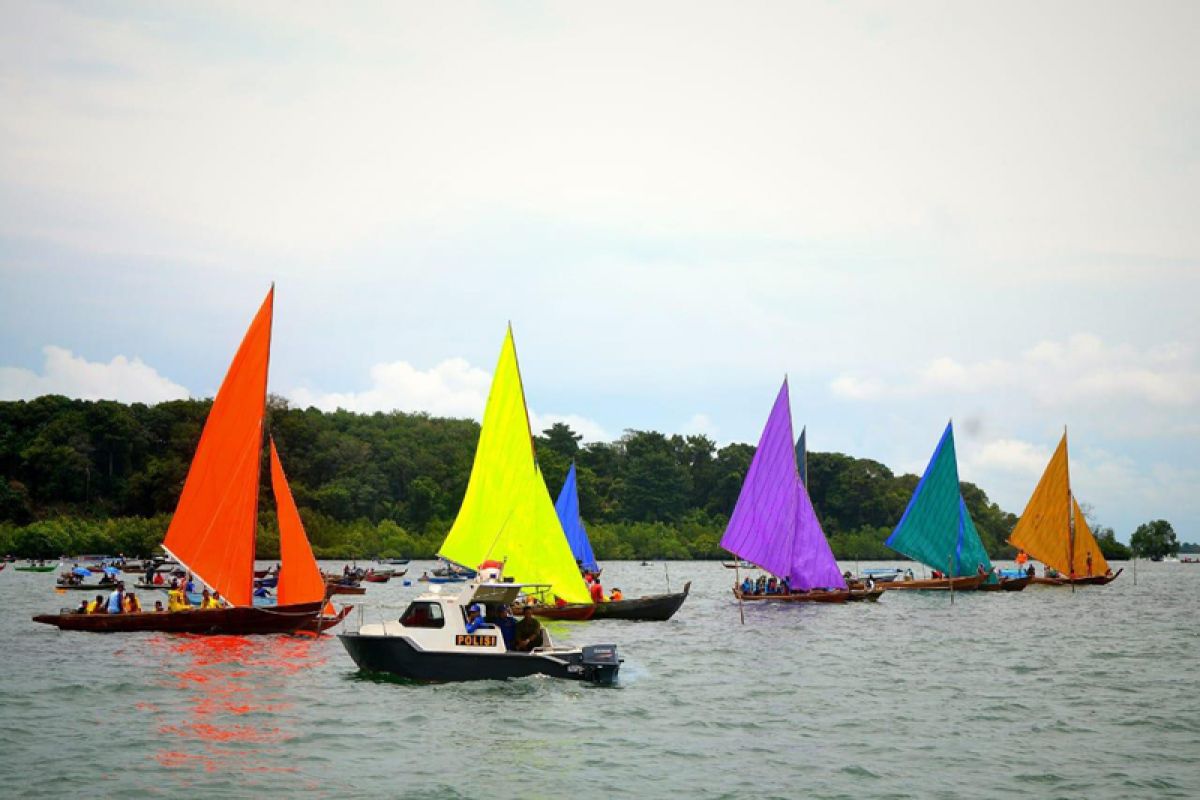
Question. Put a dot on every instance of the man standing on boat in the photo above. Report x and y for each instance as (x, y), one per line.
(596, 590)
(529, 631)
(116, 600)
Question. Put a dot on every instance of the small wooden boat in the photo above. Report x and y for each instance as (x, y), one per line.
(1006, 585)
(236, 620)
(377, 577)
(399, 562)
(738, 565)
(85, 587)
(33, 568)
(344, 588)
(813, 596)
(651, 608)
(1087, 580)
(965, 583)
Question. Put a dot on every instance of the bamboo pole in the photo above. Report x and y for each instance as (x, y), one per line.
(737, 582)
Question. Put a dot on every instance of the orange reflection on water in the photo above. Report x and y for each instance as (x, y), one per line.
(223, 681)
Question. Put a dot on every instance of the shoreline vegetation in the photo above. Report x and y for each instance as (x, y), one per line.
(80, 476)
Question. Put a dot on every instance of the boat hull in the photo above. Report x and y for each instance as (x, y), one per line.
(35, 569)
(816, 596)
(967, 583)
(215, 621)
(652, 608)
(573, 612)
(1090, 580)
(864, 595)
(1006, 585)
(338, 588)
(398, 655)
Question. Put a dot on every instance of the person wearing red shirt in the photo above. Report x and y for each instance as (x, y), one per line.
(597, 592)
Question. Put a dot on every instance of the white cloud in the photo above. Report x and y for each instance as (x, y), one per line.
(452, 388)
(1011, 455)
(63, 372)
(700, 424)
(853, 388)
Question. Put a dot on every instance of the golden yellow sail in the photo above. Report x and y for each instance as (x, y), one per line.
(507, 514)
(1045, 528)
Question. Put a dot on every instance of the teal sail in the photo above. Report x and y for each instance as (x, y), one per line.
(567, 508)
(802, 456)
(936, 528)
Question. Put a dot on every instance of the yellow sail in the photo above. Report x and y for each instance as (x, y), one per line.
(1044, 530)
(507, 514)
(1085, 543)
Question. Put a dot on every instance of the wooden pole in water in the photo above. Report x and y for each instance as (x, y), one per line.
(737, 585)
(950, 575)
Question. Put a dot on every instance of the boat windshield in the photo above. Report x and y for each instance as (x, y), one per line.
(423, 614)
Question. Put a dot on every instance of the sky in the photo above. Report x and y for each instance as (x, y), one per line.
(918, 212)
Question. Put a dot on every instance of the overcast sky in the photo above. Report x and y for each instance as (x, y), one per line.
(918, 211)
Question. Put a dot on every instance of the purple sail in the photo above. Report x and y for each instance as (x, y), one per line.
(773, 524)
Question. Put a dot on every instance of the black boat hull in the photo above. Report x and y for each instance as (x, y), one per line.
(398, 655)
(652, 608)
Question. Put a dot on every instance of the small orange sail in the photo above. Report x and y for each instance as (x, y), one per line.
(300, 580)
(1045, 528)
(212, 532)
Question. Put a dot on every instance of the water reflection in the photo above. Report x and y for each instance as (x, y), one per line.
(235, 701)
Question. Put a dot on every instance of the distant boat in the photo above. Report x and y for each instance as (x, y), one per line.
(775, 526)
(738, 565)
(213, 529)
(937, 529)
(1053, 529)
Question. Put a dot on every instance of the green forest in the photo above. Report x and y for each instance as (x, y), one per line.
(82, 476)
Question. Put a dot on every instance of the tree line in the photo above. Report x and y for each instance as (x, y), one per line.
(101, 476)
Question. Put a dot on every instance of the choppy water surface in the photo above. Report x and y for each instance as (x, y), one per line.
(1043, 693)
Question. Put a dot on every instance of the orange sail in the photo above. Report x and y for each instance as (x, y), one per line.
(1052, 528)
(212, 532)
(300, 580)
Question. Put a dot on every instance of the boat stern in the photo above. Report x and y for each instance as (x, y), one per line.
(600, 664)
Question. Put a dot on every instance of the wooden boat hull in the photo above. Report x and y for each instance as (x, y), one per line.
(1091, 580)
(652, 608)
(1043, 581)
(738, 565)
(98, 588)
(967, 583)
(398, 655)
(36, 569)
(1006, 585)
(341, 588)
(215, 621)
(817, 596)
(377, 578)
(864, 595)
(574, 612)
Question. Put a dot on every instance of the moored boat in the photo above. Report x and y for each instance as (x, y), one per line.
(430, 643)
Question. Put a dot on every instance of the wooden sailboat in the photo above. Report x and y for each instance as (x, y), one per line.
(506, 513)
(213, 530)
(937, 530)
(774, 524)
(649, 608)
(1053, 529)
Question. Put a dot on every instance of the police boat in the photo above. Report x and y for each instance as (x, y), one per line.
(431, 641)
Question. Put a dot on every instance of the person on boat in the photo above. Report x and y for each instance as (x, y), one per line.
(529, 633)
(785, 585)
(132, 604)
(205, 599)
(158, 607)
(616, 596)
(935, 574)
(158, 579)
(747, 585)
(189, 585)
(177, 600)
(83, 607)
(507, 626)
(1022, 557)
(475, 619)
(1030, 571)
(260, 590)
(116, 600)
(597, 591)
(97, 606)
(216, 600)
(979, 570)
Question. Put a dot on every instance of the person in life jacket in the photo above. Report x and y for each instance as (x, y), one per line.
(177, 600)
(98, 606)
(597, 591)
(616, 595)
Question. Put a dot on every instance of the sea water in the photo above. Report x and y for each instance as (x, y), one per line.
(1043, 693)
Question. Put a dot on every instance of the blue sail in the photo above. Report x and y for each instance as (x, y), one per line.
(802, 456)
(567, 507)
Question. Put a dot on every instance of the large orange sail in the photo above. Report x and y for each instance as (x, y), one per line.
(212, 532)
(1045, 528)
(300, 579)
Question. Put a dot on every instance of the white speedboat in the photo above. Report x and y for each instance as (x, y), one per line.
(430, 642)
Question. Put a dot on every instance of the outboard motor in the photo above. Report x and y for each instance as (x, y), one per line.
(601, 663)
